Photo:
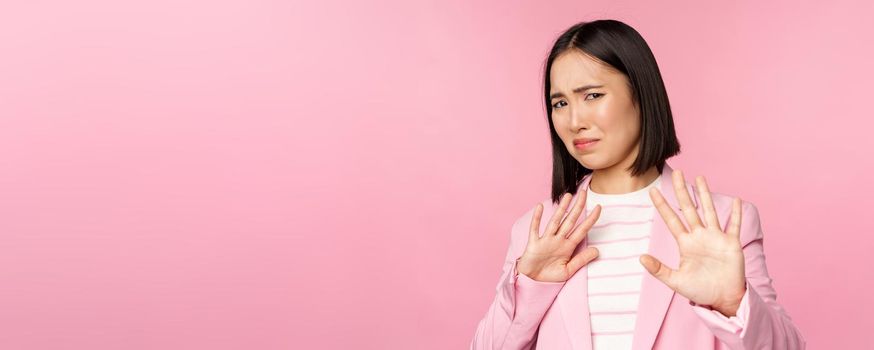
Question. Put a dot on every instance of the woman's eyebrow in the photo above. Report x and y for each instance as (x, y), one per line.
(577, 90)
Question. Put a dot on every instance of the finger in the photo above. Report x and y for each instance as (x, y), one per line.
(535, 223)
(709, 211)
(583, 229)
(582, 258)
(571, 219)
(686, 205)
(734, 224)
(658, 270)
(668, 215)
(559, 213)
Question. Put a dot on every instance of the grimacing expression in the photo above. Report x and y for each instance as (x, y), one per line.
(603, 109)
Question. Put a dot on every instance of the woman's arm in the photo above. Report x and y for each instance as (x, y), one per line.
(760, 323)
(520, 302)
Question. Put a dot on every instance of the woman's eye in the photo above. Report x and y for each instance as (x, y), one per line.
(594, 94)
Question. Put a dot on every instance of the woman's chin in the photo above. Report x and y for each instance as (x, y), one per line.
(592, 163)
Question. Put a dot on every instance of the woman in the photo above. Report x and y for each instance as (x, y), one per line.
(598, 273)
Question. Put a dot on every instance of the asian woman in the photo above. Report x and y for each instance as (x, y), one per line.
(625, 254)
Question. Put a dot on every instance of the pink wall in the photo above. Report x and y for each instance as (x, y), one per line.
(274, 175)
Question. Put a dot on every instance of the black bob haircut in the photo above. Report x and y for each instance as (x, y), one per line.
(621, 47)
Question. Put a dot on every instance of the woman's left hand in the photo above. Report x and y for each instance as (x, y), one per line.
(711, 268)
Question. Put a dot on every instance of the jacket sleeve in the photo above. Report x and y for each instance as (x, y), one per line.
(760, 323)
(519, 305)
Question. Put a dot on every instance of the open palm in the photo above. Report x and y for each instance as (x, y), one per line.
(711, 270)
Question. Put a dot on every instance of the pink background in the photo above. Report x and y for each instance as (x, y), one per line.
(275, 175)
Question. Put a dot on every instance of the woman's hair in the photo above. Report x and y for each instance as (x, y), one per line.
(621, 47)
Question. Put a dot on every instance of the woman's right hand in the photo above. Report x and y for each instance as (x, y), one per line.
(548, 258)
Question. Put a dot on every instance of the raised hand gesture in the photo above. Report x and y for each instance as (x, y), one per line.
(547, 258)
(711, 268)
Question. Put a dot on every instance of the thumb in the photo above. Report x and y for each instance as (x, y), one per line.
(657, 269)
(582, 258)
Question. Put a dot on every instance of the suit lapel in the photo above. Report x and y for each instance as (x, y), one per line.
(655, 296)
(574, 301)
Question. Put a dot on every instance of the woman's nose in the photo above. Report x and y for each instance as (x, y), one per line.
(579, 118)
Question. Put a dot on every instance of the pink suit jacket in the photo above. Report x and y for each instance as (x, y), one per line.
(529, 314)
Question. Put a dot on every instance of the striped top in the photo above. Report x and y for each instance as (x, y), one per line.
(621, 235)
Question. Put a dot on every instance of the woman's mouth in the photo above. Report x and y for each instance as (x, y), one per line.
(584, 145)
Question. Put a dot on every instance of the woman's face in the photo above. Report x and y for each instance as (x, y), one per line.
(603, 111)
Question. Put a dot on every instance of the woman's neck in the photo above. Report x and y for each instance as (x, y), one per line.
(619, 181)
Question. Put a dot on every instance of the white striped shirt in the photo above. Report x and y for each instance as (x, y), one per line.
(621, 235)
